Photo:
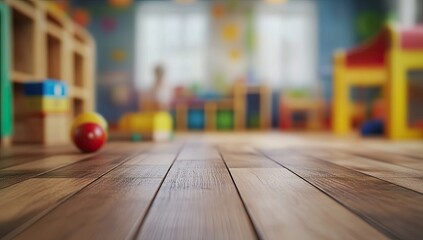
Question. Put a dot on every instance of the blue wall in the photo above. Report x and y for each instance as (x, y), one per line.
(338, 30)
(111, 73)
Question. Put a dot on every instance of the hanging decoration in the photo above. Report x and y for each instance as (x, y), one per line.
(81, 17)
(218, 11)
(108, 24)
(118, 55)
(230, 32)
(235, 54)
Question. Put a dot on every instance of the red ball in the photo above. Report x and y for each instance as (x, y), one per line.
(89, 137)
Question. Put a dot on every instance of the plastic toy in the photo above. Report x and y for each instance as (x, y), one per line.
(225, 119)
(150, 125)
(373, 127)
(196, 119)
(89, 117)
(89, 137)
(385, 61)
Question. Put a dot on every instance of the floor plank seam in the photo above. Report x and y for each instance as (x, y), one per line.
(257, 233)
(383, 230)
(33, 220)
(138, 226)
(380, 160)
(368, 175)
(50, 170)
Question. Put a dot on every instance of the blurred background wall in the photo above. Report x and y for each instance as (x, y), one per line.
(338, 23)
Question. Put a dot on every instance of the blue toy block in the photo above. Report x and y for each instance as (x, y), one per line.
(373, 127)
(46, 88)
(196, 119)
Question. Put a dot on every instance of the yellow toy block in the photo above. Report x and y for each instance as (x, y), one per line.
(46, 104)
(156, 125)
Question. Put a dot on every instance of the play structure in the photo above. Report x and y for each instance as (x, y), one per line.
(156, 126)
(292, 105)
(44, 45)
(245, 107)
(389, 61)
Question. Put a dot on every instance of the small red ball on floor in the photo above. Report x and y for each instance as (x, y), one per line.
(89, 137)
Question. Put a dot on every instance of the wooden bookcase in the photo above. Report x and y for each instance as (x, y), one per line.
(48, 45)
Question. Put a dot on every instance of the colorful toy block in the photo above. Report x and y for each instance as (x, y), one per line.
(51, 88)
(225, 119)
(44, 105)
(157, 126)
(196, 119)
(48, 97)
(47, 129)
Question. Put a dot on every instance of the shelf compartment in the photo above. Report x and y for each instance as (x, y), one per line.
(54, 57)
(77, 106)
(23, 43)
(79, 70)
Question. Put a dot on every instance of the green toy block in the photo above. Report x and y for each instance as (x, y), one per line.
(6, 123)
(136, 137)
(225, 119)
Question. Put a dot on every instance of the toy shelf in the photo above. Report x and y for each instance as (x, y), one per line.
(46, 44)
(226, 114)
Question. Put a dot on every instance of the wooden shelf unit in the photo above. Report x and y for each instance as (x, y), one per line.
(48, 45)
(236, 102)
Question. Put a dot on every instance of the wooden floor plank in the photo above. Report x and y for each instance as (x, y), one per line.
(197, 200)
(27, 170)
(34, 167)
(393, 158)
(284, 206)
(402, 176)
(79, 174)
(110, 208)
(24, 200)
(392, 209)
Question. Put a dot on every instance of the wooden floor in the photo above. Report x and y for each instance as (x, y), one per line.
(216, 186)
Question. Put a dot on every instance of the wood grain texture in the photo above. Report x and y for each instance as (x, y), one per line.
(397, 159)
(21, 172)
(402, 176)
(283, 206)
(36, 166)
(314, 187)
(197, 201)
(83, 173)
(110, 208)
(23, 201)
(375, 200)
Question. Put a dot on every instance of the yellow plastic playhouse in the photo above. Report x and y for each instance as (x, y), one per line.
(386, 61)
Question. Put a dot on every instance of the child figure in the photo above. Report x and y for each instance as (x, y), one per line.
(161, 91)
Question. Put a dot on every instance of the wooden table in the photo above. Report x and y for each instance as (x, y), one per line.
(216, 186)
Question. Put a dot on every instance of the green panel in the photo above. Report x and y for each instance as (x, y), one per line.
(225, 119)
(6, 123)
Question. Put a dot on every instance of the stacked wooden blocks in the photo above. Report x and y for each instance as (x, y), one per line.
(44, 115)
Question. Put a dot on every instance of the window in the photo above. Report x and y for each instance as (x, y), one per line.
(174, 36)
(286, 44)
